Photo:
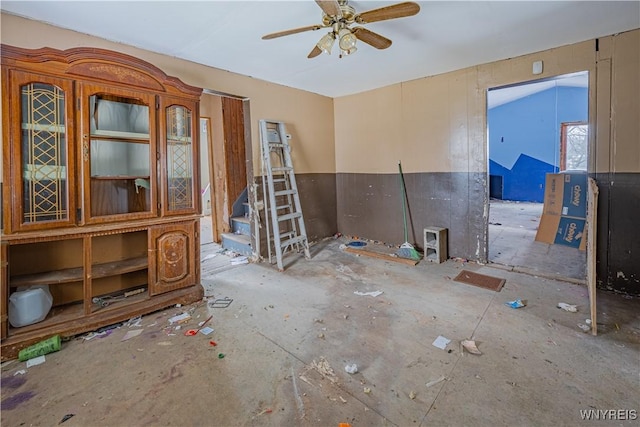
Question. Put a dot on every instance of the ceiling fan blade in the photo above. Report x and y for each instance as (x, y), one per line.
(315, 52)
(369, 37)
(292, 31)
(330, 7)
(394, 11)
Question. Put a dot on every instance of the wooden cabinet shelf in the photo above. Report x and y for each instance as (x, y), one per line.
(66, 275)
(119, 267)
(119, 177)
(100, 196)
(118, 135)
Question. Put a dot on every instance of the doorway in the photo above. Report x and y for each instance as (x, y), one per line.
(208, 215)
(226, 159)
(534, 129)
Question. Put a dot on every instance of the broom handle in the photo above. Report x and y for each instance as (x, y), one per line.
(404, 201)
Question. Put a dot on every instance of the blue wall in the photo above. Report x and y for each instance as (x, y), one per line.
(524, 138)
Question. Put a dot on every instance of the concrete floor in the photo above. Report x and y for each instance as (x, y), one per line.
(512, 233)
(287, 337)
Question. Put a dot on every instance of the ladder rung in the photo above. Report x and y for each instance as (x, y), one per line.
(293, 241)
(287, 217)
(286, 234)
(276, 144)
(284, 192)
(283, 207)
(282, 169)
(279, 180)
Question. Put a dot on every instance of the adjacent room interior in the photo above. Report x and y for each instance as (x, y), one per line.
(415, 213)
(534, 128)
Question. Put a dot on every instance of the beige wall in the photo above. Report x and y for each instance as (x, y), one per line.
(625, 108)
(432, 124)
(309, 117)
(438, 124)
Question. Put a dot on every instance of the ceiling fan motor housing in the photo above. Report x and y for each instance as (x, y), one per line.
(348, 16)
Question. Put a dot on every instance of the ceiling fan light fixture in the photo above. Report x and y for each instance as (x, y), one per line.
(326, 43)
(347, 40)
(348, 52)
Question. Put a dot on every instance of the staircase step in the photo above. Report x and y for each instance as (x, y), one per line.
(241, 225)
(239, 243)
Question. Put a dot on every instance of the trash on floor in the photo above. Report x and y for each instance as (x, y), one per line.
(516, 303)
(324, 369)
(585, 328)
(357, 244)
(220, 303)
(209, 257)
(65, 418)
(367, 390)
(434, 382)
(134, 322)
(441, 342)
(221, 355)
(568, 307)
(20, 372)
(206, 330)
(480, 280)
(351, 368)
(380, 255)
(412, 395)
(372, 294)
(192, 332)
(36, 361)
(131, 334)
(470, 346)
(239, 260)
(180, 318)
(41, 348)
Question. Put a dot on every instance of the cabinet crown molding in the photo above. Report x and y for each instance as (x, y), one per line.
(100, 65)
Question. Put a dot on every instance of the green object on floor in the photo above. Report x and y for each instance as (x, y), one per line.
(406, 249)
(43, 347)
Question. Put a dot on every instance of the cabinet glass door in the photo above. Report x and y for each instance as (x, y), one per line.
(43, 161)
(181, 194)
(119, 154)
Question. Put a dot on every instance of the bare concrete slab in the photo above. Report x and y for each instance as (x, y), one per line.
(287, 337)
(512, 232)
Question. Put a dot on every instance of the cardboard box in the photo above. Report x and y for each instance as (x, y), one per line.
(564, 214)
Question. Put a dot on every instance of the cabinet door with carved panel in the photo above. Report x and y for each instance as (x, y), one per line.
(179, 148)
(39, 156)
(172, 264)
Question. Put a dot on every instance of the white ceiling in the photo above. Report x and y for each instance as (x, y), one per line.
(444, 36)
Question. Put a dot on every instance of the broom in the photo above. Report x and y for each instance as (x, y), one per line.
(406, 249)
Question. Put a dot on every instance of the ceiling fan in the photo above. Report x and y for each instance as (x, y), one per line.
(339, 16)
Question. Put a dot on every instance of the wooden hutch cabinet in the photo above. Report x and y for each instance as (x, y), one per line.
(100, 194)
